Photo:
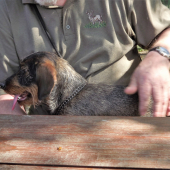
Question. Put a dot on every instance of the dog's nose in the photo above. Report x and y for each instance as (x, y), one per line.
(2, 85)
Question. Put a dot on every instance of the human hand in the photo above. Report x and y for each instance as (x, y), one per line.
(152, 78)
(6, 102)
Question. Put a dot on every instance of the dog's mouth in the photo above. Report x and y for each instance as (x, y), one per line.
(20, 97)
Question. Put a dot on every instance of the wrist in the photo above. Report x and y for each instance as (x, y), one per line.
(154, 59)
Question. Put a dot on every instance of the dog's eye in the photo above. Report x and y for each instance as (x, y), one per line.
(24, 77)
(21, 73)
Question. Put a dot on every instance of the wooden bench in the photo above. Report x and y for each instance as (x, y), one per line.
(83, 143)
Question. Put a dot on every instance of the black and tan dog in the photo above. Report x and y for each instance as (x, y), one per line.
(46, 78)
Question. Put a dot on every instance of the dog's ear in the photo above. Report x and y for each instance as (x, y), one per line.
(45, 79)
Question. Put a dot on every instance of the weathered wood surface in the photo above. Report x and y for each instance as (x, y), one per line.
(110, 142)
(22, 167)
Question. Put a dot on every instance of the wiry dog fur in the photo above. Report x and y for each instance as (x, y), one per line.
(46, 78)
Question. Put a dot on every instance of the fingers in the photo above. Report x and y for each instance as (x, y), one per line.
(144, 90)
(165, 101)
(152, 79)
(160, 98)
(168, 108)
(159, 91)
(144, 97)
(132, 87)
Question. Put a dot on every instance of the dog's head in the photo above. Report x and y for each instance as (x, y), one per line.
(34, 80)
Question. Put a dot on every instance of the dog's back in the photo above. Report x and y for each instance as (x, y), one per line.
(102, 100)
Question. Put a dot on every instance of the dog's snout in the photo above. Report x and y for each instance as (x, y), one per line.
(2, 85)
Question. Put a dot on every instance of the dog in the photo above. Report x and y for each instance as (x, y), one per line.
(45, 78)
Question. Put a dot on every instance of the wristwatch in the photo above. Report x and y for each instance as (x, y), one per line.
(162, 51)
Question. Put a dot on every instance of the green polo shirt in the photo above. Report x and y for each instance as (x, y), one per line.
(97, 37)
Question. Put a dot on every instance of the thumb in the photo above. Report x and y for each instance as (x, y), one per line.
(132, 87)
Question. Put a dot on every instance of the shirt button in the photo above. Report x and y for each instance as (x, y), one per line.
(68, 27)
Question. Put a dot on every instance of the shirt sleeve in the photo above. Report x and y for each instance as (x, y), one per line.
(8, 55)
(148, 19)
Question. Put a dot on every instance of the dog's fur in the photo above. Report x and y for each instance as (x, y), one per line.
(46, 78)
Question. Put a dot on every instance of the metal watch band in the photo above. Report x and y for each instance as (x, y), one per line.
(162, 51)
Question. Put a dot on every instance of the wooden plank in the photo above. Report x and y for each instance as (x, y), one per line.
(24, 167)
(132, 142)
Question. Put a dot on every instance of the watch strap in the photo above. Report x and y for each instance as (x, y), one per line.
(162, 51)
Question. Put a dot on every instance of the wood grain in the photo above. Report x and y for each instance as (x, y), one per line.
(110, 142)
(22, 167)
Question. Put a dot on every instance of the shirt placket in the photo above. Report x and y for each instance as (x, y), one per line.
(68, 29)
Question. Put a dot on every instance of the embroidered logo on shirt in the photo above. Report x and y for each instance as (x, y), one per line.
(96, 21)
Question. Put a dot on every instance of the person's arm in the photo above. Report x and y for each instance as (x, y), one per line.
(152, 78)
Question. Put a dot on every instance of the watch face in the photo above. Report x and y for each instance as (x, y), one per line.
(163, 51)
